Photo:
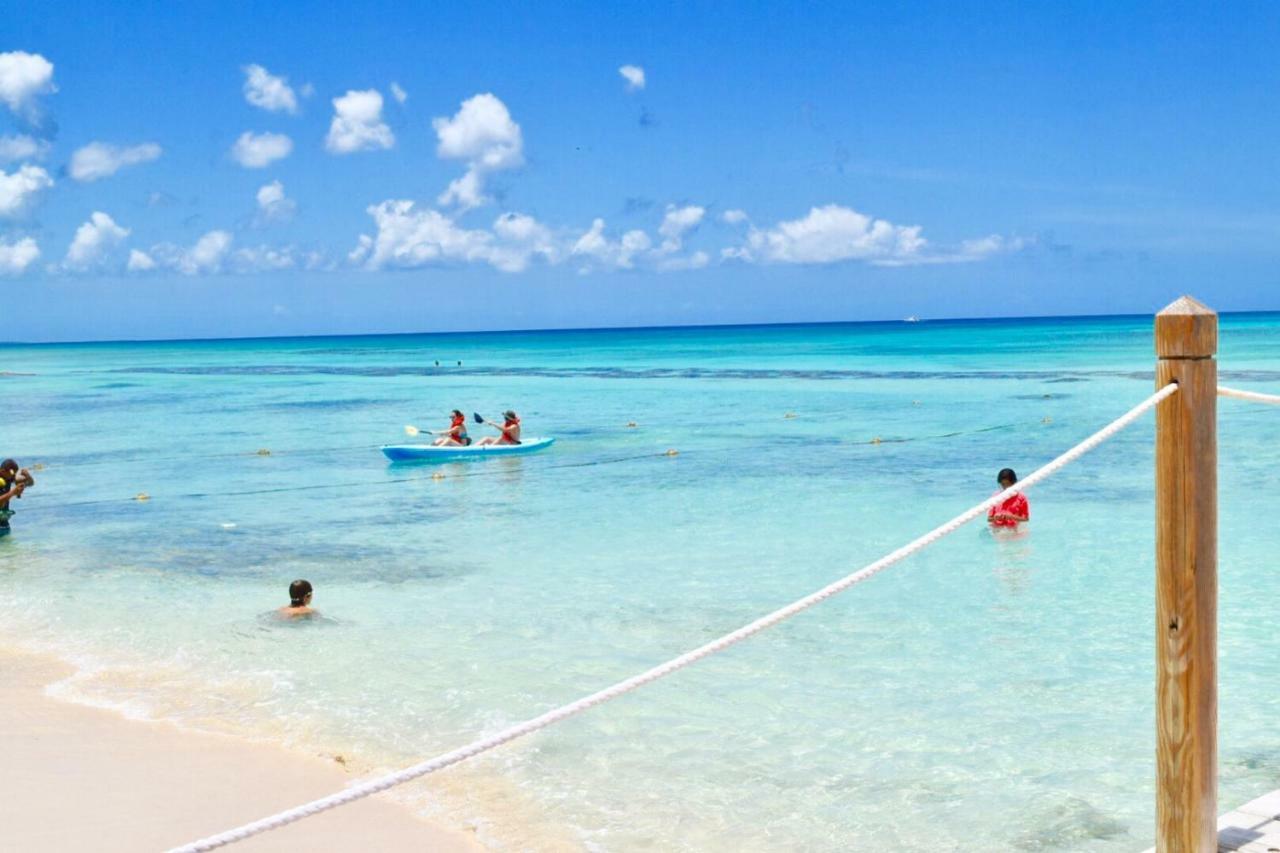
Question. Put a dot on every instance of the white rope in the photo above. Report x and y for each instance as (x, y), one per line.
(373, 786)
(1251, 396)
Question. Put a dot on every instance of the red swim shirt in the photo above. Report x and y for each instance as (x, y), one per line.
(1016, 504)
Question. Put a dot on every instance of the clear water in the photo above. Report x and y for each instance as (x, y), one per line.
(985, 695)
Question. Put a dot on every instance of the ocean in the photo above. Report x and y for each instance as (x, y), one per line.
(984, 695)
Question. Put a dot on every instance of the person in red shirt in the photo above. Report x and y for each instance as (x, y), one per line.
(1013, 510)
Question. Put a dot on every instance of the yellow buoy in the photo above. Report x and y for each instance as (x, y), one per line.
(672, 452)
(142, 496)
(439, 475)
(39, 466)
(264, 452)
(876, 440)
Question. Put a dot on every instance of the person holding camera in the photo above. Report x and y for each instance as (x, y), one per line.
(13, 482)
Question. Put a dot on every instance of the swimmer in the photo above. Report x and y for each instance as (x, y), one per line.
(13, 482)
(299, 601)
(1013, 510)
(456, 434)
(510, 430)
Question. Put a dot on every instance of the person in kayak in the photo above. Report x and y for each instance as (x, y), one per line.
(1013, 510)
(13, 482)
(510, 430)
(299, 600)
(456, 434)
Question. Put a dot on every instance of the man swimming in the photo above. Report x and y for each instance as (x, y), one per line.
(1013, 510)
(299, 600)
(510, 430)
(13, 482)
(456, 434)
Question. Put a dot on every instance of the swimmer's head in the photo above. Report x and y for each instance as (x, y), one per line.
(300, 593)
(1006, 478)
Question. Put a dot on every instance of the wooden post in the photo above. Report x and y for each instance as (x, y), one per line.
(1187, 580)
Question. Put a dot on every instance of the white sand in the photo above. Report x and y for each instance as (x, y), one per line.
(79, 778)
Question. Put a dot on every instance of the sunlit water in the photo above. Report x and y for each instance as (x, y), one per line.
(984, 695)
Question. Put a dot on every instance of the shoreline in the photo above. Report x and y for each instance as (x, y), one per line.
(81, 777)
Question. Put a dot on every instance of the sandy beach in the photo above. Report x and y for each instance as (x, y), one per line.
(80, 778)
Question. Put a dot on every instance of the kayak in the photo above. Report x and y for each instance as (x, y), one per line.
(431, 453)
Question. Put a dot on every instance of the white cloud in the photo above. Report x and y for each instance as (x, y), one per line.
(264, 259)
(273, 204)
(14, 148)
(634, 75)
(140, 261)
(93, 240)
(409, 237)
(206, 256)
(24, 77)
(620, 254)
(99, 160)
(265, 90)
(734, 217)
(696, 261)
(15, 257)
(483, 134)
(260, 150)
(677, 222)
(19, 189)
(398, 93)
(357, 124)
(829, 234)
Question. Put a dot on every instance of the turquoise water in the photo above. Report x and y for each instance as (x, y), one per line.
(997, 693)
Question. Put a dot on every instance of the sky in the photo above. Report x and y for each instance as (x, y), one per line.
(222, 170)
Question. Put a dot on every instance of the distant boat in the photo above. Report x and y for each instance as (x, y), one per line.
(912, 319)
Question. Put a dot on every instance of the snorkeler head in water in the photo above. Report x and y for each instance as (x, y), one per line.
(299, 599)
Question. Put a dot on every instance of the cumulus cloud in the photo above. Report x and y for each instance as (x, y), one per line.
(267, 91)
(621, 253)
(16, 256)
(409, 237)
(206, 256)
(140, 261)
(734, 217)
(99, 160)
(677, 222)
(273, 204)
(634, 75)
(483, 134)
(22, 147)
(829, 234)
(696, 261)
(398, 93)
(260, 150)
(93, 240)
(357, 124)
(20, 189)
(23, 78)
(264, 259)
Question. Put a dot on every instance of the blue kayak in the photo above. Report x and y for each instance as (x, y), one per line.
(431, 453)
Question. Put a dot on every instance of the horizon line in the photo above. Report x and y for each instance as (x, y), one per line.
(911, 320)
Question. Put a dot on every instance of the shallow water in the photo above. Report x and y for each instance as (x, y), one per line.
(999, 692)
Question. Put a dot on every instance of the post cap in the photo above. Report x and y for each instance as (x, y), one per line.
(1186, 329)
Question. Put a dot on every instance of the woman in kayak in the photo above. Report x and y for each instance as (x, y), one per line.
(510, 430)
(456, 434)
(1013, 510)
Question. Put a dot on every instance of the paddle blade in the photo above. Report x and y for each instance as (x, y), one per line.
(479, 419)
(411, 430)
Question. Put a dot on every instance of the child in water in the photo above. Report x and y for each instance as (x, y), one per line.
(1013, 510)
(299, 600)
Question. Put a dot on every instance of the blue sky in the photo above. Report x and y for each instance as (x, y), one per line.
(773, 163)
